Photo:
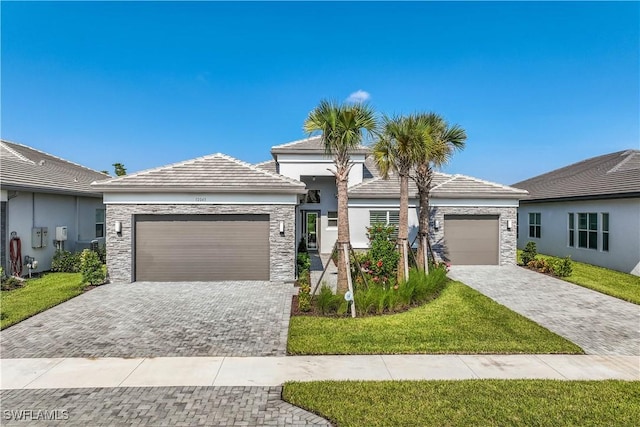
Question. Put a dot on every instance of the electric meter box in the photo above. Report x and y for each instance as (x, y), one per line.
(45, 236)
(36, 237)
(61, 233)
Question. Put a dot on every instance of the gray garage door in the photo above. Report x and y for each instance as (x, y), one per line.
(471, 239)
(171, 248)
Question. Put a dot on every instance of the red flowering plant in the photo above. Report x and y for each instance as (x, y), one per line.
(381, 262)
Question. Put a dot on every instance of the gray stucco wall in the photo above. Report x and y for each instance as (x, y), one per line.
(120, 246)
(507, 238)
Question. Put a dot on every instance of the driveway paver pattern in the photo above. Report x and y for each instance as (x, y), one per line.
(159, 319)
(598, 323)
(157, 406)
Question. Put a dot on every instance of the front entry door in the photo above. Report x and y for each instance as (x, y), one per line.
(311, 233)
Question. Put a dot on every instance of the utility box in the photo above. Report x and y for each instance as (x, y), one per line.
(61, 233)
(36, 237)
(45, 236)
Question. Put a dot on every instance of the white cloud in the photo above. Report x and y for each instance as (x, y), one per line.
(359, 96)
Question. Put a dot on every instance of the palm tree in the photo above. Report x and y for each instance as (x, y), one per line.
(343, 128)
(400, 145)
(443, 141)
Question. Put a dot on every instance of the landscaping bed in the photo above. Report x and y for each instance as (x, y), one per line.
(460, 320)
(470, 402)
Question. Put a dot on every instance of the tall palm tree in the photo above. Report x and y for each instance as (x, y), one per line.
(343, 128)
(400, 144)
(437, 150)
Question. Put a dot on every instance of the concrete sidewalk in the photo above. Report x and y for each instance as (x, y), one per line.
(273, 371)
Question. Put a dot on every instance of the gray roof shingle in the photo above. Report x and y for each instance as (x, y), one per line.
(270, 166)
(311, 145)
(25, 168)
(216, 173)
(611, 175)
(443, 186)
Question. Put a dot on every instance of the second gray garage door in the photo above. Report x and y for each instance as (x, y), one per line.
(179, 248)
(472, 239)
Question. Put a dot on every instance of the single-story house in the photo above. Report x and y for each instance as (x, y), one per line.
(40, 195)
(218, 218)
(589, 210)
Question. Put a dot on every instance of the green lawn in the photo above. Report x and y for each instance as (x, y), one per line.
(615, 283)
(38, 295)
(460, 320)
(470, 402)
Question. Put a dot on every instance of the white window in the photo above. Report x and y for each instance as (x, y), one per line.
(605, 232)
(100, 222)
(572, 229)
(588, 230)
(386, 218)
(332, 219)
(535, 225)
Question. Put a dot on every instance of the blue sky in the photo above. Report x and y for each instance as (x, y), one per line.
(536, 85)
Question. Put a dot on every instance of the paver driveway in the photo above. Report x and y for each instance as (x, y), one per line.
(598, 323)
(159, 319)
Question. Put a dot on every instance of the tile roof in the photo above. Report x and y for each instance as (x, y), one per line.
(615, 174)
(311, 145)
(269, 166)
(25, 168)
(443, 186)
(216, 173)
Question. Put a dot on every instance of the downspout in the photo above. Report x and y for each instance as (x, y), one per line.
(77, 220)
(33, 210)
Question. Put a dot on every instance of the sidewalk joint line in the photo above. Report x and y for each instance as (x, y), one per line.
(218, 371)
(545, 363)
(134, 369)
(63, 359)
(465, 364)
(386, 367)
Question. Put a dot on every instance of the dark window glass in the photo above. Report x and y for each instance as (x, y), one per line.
(582, 239)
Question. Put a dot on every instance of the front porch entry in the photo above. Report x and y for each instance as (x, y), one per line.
(311, 229)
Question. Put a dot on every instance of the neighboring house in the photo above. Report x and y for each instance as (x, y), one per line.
(217, 218)
(588, 210)
(39, 192)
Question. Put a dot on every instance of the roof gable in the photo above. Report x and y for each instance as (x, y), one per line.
(614, 174)
(311, 145)
(25, 168)
(216, 173)
(442, 186)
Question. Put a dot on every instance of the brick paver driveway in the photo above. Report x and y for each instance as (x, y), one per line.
(159, 319)
(157, 406)
(598, 323)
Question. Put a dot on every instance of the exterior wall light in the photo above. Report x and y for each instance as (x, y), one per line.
(118, 227)
(436, 224)
(281, 227)
(509, 224)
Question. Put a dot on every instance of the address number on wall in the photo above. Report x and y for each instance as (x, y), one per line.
(201, 199)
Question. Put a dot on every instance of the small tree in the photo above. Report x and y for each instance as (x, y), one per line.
(91, 268)
(529, 253)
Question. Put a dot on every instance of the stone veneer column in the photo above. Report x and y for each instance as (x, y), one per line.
(507, 239)
(120, 246)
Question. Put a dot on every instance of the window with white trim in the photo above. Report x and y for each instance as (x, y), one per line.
(100, 214)
(386, 218)
(572, 229)
(332, 219)
(588, 230)
(535, 224)
(605, 232)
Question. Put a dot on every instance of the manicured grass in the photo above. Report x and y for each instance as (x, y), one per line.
(470, 402)
(460, 320)
(38, 295)
(614, 283)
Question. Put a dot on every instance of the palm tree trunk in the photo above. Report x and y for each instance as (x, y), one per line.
(403, 228)
(423, 231)
(343, 229)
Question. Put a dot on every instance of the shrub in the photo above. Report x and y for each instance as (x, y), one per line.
(304, 297)
(302, 246)
(304, 262)
(382, 260)
(91, 268)
(65, 262)
(11, 283)
(541, 265)
(529, 253)
(326, 301)
(563, 267)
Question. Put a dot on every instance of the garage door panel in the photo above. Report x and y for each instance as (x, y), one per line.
(472, 240)
(202, 248)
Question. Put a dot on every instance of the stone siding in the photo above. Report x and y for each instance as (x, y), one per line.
(120, 246)
(507, 239)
